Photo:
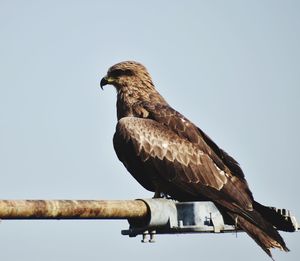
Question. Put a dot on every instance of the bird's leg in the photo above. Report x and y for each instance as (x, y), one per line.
(157, 194)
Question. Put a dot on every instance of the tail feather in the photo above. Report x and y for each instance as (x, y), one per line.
(253, 221)
(263, 233)
(265, 241)
(280, 218)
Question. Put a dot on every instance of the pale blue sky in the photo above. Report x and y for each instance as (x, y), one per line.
(232, 67)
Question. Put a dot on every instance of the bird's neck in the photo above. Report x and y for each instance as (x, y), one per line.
(130, 101)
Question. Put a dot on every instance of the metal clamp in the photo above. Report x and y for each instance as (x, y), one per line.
(168, 216)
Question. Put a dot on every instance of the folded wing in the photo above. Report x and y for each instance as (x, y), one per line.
(162, 160)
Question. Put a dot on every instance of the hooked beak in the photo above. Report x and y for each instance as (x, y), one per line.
(103, 82)
(106, 80)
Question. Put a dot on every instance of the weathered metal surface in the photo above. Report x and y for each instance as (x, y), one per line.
(73, 209)
(146, 217)
(173, 217)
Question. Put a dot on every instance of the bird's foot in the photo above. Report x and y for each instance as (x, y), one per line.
(159, 194)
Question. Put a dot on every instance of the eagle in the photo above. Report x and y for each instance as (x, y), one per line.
(169, 155)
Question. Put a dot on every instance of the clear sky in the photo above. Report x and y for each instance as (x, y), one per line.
(232, 67)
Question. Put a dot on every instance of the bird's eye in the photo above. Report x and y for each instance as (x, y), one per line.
(119, 72)
(116, 73)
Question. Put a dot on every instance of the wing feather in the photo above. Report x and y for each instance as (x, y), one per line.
(184, 128)
(172, 160)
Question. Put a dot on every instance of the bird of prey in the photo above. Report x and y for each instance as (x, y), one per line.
(168, 154)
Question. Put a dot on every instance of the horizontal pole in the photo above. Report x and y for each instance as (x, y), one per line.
(73, 209)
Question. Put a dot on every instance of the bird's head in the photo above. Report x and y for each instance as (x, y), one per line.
(128, 74)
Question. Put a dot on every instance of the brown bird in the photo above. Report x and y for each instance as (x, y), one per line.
(168, 154)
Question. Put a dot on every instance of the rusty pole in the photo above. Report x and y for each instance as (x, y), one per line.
(73, 209)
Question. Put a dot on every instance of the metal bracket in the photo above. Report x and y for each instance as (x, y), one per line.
(168, 216)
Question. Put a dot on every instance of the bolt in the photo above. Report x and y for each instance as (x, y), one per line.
(152, 234)
(144, 239)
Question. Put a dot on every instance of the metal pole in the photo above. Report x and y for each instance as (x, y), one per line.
(73, 209)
